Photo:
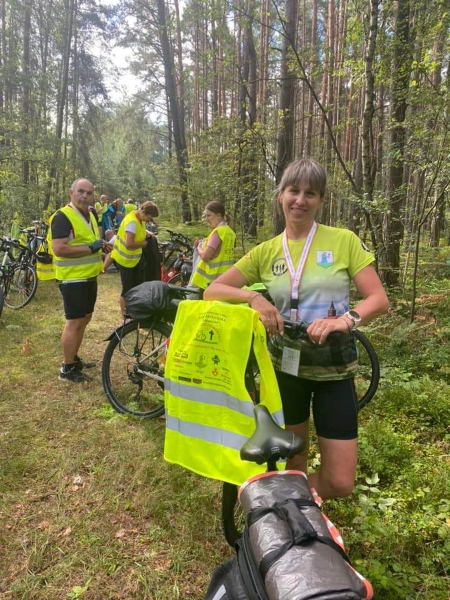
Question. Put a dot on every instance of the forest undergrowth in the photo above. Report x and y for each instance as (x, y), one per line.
(89, 509)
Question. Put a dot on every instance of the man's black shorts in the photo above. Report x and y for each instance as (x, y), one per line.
(79, 298)
(334, 405)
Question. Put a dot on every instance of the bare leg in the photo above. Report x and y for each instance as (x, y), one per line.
(300, 462)
(122, 305)
(336, 476)
(72, 336)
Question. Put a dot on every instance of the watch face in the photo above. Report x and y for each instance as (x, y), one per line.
(354, 315)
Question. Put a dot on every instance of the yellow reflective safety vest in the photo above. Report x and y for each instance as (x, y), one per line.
(209, 413)
(207, 272)
(86, 267)
(45, 268)
(120, 253)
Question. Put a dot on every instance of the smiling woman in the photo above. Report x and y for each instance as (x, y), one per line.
(307, 270)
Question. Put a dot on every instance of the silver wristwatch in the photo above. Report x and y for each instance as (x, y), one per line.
(353, 316)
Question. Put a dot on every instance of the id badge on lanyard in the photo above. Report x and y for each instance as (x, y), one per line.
(290, 359)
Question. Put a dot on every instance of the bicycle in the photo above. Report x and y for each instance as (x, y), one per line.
(176, 259)
(18, 278)
(366, 385)
(287, 516)
(133, 363)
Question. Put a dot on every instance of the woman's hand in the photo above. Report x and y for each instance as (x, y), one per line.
(320, 329)
(268, 315)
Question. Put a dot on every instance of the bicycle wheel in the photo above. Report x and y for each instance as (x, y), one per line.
(2, 298)
(133, 360)
(21, 286)
(233, 518)
(368, 375)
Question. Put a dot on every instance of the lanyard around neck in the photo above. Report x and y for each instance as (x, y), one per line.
(296, 274)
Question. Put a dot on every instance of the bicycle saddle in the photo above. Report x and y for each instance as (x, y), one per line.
(270, 442)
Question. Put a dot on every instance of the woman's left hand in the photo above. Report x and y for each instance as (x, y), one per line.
(320, 329)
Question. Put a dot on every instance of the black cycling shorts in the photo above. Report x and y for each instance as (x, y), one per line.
(334, 405)
(130, 277)
(79, 298)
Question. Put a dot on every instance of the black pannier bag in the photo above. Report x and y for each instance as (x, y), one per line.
(290, 550)
(148, 299)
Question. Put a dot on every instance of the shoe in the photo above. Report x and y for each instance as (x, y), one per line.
(81, 364)
(74, 375)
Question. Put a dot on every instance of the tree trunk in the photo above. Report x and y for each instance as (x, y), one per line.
(178, 137)
(393, 230)
(288, 77)
(62, 96)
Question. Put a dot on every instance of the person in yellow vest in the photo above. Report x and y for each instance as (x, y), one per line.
(76, 246)
(127, 251)
(129, 206)
(215, 254)
(101, 206)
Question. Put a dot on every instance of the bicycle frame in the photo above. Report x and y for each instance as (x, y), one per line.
(153, 354)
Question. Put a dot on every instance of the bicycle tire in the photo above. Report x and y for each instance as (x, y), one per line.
(2, 298)
(129, 355)
(233, 519)
(21, 286)
(366, 363)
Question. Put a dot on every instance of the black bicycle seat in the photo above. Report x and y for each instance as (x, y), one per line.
(270, 442)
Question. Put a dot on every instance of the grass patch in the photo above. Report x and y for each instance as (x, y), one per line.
(89, 509)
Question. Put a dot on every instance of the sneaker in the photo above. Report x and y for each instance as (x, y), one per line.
(81, 364)
(74, 375)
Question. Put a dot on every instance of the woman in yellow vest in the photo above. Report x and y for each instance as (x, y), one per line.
(127, 252)
(101, 206)
(216, 252)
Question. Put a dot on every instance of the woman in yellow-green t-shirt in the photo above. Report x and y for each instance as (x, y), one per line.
(308, 270)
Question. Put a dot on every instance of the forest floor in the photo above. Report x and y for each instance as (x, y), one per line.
(89, 509)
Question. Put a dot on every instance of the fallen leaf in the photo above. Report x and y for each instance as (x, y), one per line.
(43, 524)
(121, 533)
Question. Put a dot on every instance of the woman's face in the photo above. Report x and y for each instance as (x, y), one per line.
(213, 219)
(300, 204)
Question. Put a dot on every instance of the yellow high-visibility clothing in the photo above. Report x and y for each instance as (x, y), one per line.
(207, 272)
(68, 269)
(120, 253)
(100, 209)
(129, 207)
(46, 271)
(209, 413)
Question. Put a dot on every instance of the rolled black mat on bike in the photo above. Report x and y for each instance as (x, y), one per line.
(296, 550)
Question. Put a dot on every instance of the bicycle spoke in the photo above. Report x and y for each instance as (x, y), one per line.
(133, 369)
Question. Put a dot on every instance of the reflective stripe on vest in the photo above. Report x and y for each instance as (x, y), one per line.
(125, 256)
(207, 272)
(45, 272)
(209, 413)
(216, 398)
(86, 267)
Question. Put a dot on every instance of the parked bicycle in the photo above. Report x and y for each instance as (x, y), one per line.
(134, 359)
(288, 546)
(176, 259)
(18, 279)
(366, 385)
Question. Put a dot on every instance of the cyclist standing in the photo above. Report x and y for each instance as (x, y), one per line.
(215, 254)
(307, 269)
(76, 246)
